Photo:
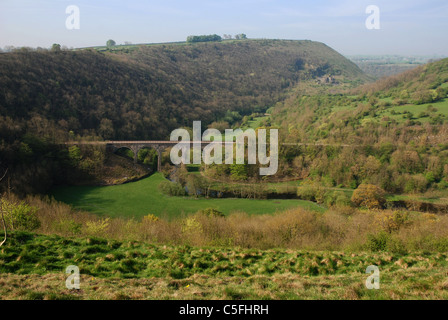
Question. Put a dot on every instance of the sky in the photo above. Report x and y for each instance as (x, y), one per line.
(407, 27)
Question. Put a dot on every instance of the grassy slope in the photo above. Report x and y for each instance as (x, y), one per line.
(427, 77)
(123, 270)
(441, 106)
(143, 197)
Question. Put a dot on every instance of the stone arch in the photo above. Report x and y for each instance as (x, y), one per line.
(155, 166)
(133, 150)
(135, 147)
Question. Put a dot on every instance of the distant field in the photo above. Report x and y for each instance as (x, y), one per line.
(140, 198)
(256, 122)
(442, 108)
(435, 197)
(416, 110)
(131, 47)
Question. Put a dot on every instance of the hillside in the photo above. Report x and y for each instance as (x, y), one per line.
(145, 92)
(321, 115)
(391, 133)
(141, 92)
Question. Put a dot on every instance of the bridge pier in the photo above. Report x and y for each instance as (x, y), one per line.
(159, 160)
(135, 150)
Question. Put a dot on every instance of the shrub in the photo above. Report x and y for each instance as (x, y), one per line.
(442, 185)
(172, 188)
(195, 184)
(20, 216)
(150, 218)
(67, 226)
(391, 221)
(192, 226)
(210, 212)
(416, 183)
(378, 242)
(369, 196)
(422, 97)
(311, 192)
(336, 198)
(98, 227)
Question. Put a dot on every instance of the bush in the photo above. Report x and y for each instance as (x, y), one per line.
(369, 196)
(191, 226)
(416, 183)
(67, 226)
(391, 221)
(150, 218)
(97, 228)
(210, 212)
(442, 185)
(422, 97)
(311, 192)
(378, 242)
(336, 198)
(195, 185)
(19, 216)
(171, 188)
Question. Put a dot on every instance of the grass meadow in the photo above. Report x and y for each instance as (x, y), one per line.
(143, 197)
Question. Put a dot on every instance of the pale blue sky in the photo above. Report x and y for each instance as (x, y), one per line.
(414, 27)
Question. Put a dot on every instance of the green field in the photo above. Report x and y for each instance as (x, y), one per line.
(256, 122)
(416, 110)
(140, 198)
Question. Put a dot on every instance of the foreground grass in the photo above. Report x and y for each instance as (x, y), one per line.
(33, 267)
(140, 198)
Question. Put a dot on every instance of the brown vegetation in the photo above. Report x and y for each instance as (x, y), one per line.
(342, 228)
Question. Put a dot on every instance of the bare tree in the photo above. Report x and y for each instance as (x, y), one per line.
(3, 217)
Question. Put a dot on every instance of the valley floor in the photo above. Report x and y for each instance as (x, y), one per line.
(140, 198)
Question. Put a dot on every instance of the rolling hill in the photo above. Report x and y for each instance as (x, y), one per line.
(391, 133)
(141, 92)
(144, 92)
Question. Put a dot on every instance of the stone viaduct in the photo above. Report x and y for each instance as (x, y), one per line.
(136, 146)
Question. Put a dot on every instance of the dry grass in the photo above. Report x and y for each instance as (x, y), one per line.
(337, 229)
(402, 284)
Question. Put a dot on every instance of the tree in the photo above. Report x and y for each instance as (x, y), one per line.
(106, 129)
(20, 216)
(204, 38)
(56, 47)
(3, 216)
(369, 196)
(74, 154)
(195, 185)
(110, 43)
(238, 172)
